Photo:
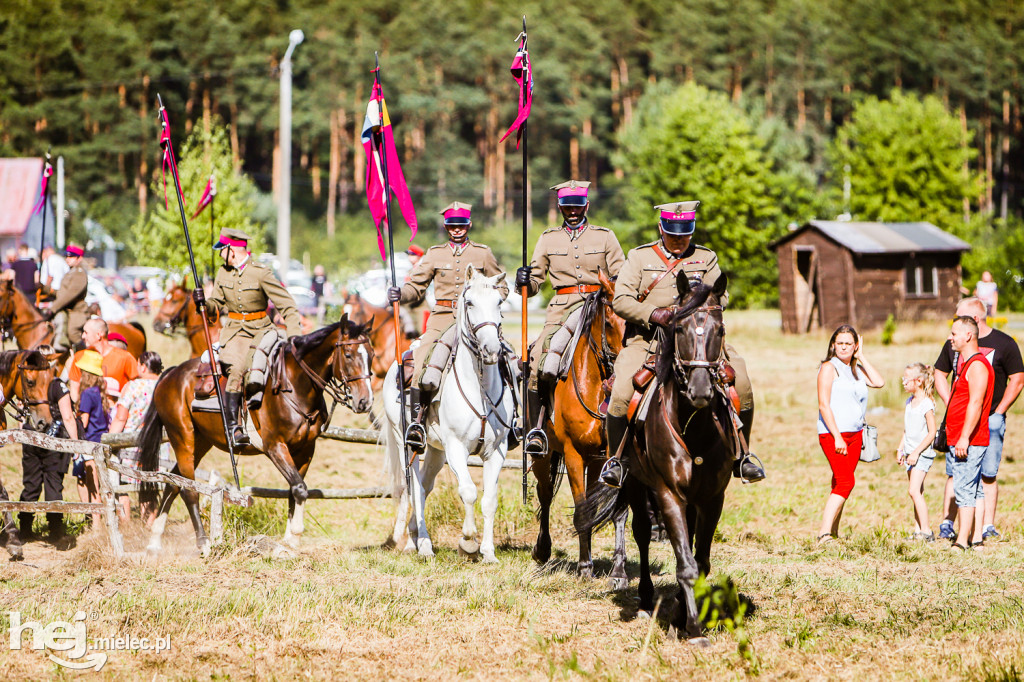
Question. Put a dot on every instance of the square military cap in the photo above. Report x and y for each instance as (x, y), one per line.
(679, 217)
(229, 236)
(457, 213)
(573, 192)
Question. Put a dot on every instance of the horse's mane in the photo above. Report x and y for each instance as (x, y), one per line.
(32, 359)
(698, 296)
(307, 342)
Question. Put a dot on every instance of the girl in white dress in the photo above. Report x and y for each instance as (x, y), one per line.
(915, 449)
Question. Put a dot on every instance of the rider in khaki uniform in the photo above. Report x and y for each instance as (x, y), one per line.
(243, 287)
(571, 254)
(444, 265)
(70, 301)
(644, 294)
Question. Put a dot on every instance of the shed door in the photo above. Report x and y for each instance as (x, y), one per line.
(806, 289)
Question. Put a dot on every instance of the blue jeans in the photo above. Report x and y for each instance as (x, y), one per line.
(994, 451)
(967, 475)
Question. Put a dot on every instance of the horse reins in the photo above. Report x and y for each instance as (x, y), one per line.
(602, 365)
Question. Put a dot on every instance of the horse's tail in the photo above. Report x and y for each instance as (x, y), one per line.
(601, 507)
(142, 330)
(149, 452)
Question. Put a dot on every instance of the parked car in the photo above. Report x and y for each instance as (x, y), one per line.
(297, 275)
(110, 309)
(304, 300)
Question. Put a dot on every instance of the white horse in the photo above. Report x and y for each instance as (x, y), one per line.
(470, 415)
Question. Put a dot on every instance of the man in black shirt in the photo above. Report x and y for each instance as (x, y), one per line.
(1004, 355)
(26, 272)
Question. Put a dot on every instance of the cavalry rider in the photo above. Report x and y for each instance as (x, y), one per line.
(644, 296)
(444, 265)
(244, 287)
(571, 254)
(69, 311)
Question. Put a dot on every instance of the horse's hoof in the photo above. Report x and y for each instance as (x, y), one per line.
(469, 546)
(410, 548)
(541, 556)
(489, 559)
(153, 550)
(292, 541)
(15, 552)
(204, 550)
(644, 615)
(587, 572)
(618, 584)
(426, 549)
(699, 642)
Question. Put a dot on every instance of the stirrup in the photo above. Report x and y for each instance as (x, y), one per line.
(536, 444)
(749, 458)
(239, 437)
(612, 473)
(416, 438)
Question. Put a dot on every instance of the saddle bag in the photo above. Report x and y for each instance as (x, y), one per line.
(437, 360)
(643, 376)
(407, 368)
(204, 381)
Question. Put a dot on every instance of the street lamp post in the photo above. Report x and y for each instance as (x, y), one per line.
(284, 199)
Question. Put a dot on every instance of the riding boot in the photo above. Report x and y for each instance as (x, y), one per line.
(613, 473)
(236, 426)
(415, 434)
(747, 466)
(536, 444)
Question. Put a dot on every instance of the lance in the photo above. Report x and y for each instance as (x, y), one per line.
(47, 173)
(383, 165)
(524, 291)
(213, 202)
(197, 293)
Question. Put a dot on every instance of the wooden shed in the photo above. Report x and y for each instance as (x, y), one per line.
(836, 272)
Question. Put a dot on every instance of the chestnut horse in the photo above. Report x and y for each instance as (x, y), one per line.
(177, 312)
(20, 319)
(382, 337)
(576, 430)
(685, 453)
(335, 359)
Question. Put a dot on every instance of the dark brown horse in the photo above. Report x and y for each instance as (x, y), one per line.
(25, 377)
(20, 319)
(382, 337)
(178, 313)
(685, 453)
(335, 359)
(576, 431)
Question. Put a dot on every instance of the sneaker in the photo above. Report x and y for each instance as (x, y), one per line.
(946, 531)
(989, 532)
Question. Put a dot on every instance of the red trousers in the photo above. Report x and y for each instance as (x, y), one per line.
(843, 466)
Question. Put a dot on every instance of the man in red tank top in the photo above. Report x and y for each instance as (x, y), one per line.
(966, 430)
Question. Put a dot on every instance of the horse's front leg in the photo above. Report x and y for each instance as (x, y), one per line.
(707, 522)
(642, 536)
(489, 501)
(673, 510)
(423, 484)
(458, 461)
(281, 457)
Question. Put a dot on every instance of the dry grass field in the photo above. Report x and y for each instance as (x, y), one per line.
(869, 606)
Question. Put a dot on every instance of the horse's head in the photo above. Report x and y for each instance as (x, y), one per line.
(33, 373)
(698, 337)
(479, 314)
(172, 311)
(351, 362)
(614, 326)
(7, 309)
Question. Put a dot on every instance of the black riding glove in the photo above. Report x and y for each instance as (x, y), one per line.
(662, 316)
(394, 294)
(523, 277)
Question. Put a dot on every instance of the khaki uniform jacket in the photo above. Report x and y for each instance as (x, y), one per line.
(71, 297)
(571, 262)
(248, 291)
(643, 266)
(446, 268)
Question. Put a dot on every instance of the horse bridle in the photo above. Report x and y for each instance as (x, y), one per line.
(178, 318)
(21, 407)
(7, 326)
(338, 388)
(700, 361)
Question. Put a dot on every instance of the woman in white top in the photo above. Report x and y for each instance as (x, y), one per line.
(842, 404)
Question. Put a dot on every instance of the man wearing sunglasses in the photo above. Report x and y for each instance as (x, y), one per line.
(571, 254)
(444, 265)
(644, 295)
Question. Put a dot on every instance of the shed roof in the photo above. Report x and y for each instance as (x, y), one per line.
(884, 237)
(20, 180)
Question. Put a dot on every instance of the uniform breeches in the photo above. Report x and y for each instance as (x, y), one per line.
(537, 352)
(237, 355)
(436, 325)
(626, 365)
(743, 387)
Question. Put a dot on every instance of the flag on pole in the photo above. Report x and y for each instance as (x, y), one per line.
(47, 172)
(165, 144)
(377, 133)
(522, 70)
(208, 194)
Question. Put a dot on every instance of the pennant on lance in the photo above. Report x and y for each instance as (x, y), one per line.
(377, 133)
(47, 172)
(208, 194)
(522, 71)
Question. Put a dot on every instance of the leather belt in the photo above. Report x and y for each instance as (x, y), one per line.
(445, 303)
(579, 288)
(248, 317)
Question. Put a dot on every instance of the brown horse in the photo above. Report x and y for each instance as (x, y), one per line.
(335, 359)
(25, 377)
(382, 337)
(177, 312)
(20, 319)
(685, 453)
(576, 431)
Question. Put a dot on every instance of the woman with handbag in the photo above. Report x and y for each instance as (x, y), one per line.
(843, 381)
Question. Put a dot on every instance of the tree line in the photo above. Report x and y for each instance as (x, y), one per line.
(81, 76)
